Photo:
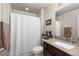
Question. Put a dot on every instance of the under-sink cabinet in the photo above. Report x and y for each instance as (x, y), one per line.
(49, 50)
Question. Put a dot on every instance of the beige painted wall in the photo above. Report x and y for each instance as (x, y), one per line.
(70, 19)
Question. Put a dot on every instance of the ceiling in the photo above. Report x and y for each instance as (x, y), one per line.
(68, 8)
(33, 7)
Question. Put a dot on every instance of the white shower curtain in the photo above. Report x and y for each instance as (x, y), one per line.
(25, 33)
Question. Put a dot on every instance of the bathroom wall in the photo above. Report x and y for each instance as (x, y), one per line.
(41, 16)
(5, 12)
(49, 13)
(70, 19)
(0, 11)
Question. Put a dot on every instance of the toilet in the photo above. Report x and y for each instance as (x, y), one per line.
(38, 51)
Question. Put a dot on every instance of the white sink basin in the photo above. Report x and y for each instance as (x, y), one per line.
(64, 45)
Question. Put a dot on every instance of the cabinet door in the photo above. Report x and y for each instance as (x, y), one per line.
(53, 51)
(46, 53)
(57, 52)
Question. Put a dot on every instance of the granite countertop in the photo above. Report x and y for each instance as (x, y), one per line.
(74, 51)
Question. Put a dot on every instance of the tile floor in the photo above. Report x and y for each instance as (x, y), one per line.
(5, 53)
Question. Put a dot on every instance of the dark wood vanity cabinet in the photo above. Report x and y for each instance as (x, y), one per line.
(49, 50)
